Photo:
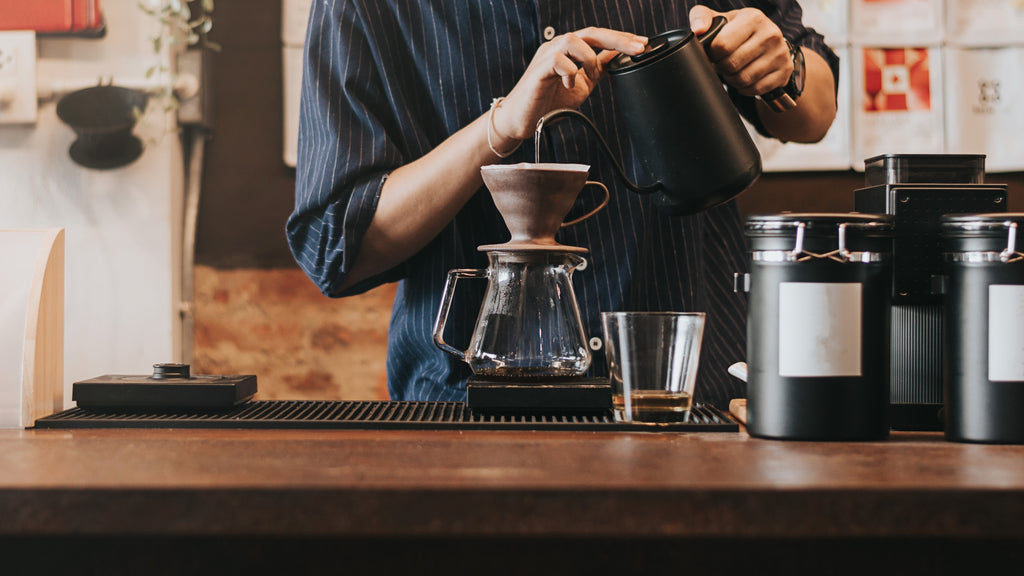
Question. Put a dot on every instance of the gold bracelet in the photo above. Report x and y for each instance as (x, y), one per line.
(490, 126)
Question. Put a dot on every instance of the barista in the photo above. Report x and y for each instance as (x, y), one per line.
(403, 102)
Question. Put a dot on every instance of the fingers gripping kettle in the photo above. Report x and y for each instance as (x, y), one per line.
(687, 135)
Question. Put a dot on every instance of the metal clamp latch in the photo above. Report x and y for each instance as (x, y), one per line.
(1010, 254)
(840, 254)
(799, 254)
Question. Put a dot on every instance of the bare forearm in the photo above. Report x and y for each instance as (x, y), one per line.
(419, 199)
(816, 108)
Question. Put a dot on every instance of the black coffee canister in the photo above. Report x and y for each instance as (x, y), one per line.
(983, 318)
(818, 326)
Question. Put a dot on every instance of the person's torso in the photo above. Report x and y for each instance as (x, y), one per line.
(455, 56)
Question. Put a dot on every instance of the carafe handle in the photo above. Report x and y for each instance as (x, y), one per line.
(446, 304)
(604, 203)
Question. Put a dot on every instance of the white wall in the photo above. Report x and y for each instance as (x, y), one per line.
(123, 226)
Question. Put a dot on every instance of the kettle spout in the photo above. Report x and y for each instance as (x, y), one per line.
(555, 115)
(689, 178)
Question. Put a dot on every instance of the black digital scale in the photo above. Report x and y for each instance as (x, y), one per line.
(573, 396)
(170, 387)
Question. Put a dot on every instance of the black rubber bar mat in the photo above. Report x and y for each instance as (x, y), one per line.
(373, 415)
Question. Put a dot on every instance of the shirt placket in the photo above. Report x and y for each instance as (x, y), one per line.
(549, 19)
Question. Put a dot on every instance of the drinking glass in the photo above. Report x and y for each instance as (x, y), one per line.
(652, 360)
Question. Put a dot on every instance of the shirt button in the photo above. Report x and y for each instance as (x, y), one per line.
(549, 33)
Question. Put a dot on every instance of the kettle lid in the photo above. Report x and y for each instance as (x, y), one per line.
(658, 48)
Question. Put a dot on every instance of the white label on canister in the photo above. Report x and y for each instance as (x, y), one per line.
(1005, 333)
(819, 329)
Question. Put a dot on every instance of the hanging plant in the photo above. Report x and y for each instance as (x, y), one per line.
(182, 24)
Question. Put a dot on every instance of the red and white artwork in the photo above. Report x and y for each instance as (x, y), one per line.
(899, 101)
(897, 79)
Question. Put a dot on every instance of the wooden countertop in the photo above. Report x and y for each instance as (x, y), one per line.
(443, 484)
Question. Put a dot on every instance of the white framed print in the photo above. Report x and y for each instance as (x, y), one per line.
(830, 18)
(985, 22)
(985, 105)
(896, 22)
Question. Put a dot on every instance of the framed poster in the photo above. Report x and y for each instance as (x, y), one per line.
(985, 22)
(830, 18)
(896, 22)
(985, 105)
(897, 101)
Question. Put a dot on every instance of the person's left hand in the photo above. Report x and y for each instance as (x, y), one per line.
(749, 53)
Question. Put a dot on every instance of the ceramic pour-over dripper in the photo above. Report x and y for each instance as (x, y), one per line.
(534, 198)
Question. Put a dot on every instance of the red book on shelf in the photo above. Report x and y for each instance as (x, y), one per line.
(86, 15)
(79, 15)
(50, 16)
(38, 15)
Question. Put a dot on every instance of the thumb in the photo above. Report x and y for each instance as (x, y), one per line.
(700, 19)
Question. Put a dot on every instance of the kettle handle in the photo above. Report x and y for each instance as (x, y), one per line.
(559, 113)
(717, 23)
(446, 305)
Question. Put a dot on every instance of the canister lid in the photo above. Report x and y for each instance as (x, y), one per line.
(985, 235)
(658, 48)
(820, 233)
(980, 225)
(817, 223)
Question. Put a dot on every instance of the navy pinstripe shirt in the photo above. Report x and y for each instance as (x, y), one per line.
(386, 81)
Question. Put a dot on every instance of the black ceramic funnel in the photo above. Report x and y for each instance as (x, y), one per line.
(103, 118)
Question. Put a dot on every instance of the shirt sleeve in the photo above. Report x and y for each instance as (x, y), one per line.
(344, 152)
(788, 16)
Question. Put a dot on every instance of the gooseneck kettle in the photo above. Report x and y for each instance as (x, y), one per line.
(686, 132)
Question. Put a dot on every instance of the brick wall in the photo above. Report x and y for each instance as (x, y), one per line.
(300, 344)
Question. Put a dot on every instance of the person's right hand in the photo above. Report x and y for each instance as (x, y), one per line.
(562, 74)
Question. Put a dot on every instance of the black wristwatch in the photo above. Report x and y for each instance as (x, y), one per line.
(784, 98)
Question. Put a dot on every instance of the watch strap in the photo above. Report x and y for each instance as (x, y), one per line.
(784, 97)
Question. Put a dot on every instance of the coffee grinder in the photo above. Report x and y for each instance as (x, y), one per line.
(918, 189)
